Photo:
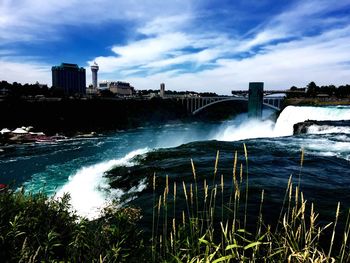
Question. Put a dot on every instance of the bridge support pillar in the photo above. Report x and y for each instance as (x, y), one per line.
(255, 99)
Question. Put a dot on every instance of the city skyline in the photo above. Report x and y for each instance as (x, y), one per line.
(188, 45)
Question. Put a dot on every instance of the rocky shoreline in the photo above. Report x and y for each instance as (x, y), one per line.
(29, 135)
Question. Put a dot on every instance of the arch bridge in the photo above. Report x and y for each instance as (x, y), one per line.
(196, 104)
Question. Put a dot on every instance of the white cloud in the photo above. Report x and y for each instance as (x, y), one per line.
(260, 38)
(306, 42)
(300, 19)
(166, 24)
(25, 72)
(324, 59)
(165, 50)
(286, 54)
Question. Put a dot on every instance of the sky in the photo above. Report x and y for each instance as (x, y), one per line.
(198, 45)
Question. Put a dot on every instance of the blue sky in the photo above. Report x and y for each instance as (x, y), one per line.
(216, 46)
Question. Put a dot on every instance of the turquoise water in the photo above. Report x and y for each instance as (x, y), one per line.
(78, 166)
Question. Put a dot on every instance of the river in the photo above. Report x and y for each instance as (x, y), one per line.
(79, 165)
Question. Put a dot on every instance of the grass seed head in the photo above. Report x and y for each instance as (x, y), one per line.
(184, 188)
(193, 170)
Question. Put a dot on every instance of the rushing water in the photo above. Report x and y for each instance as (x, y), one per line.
(79, 166)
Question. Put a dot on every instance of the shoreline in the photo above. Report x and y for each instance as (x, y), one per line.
(316, 102)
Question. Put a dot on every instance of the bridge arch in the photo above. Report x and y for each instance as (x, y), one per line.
(271, 106)
(219, 100)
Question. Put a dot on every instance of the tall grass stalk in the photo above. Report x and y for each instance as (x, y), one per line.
(205, 217)
(195, 185)
(246, 190)
(301, 166)
(158, 218)
(222, 207)
(186, 199)
(153, 216)
(175, 192)
(288, 191)
(344, 246)
(165, 205)
(233, 178)
(333, 233)
(216, 167)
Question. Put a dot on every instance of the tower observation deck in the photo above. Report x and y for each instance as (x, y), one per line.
(94, 69)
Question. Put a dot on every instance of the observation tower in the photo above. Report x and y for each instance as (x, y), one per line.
(94, 69)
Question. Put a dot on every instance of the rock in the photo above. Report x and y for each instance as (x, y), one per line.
(302, 127)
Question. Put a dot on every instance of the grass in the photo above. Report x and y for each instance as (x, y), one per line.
(217, 231)
(191, 222)
(35, 228)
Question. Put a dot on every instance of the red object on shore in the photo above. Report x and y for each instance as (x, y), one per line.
(3, 186)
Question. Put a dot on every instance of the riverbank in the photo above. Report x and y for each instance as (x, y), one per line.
(86, 117)
(315, 102)
(73, 116)
(9, 137)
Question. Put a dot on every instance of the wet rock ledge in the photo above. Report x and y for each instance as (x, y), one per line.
(302, 127)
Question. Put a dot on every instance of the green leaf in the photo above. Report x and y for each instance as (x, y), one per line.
(244, 231)
(243, 238)
(202, 240)
(176, 258)
(262, 237)
(277, 252)
(254, 244)
(233, 246)
(223, 258)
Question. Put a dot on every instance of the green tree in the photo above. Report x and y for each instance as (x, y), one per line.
(312, 89)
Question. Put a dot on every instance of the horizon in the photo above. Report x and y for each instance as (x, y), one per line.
(188, 45)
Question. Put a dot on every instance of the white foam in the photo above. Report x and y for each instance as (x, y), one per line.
(293, 114)
(316, 129)
(248, 129)
(89, 189)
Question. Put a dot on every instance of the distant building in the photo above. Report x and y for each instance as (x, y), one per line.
(104, 85)
(118, 87)
(162, 90)
(91, 91)
(121, 88)
(70, 78)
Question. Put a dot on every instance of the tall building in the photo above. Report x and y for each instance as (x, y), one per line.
(255, 99)
(70, 78)
(94, 69)
(162, 90)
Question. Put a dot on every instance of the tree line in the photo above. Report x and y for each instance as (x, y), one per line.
(17, 90)
(312, 90)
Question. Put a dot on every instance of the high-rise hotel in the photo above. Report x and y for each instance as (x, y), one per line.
(70, 78)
